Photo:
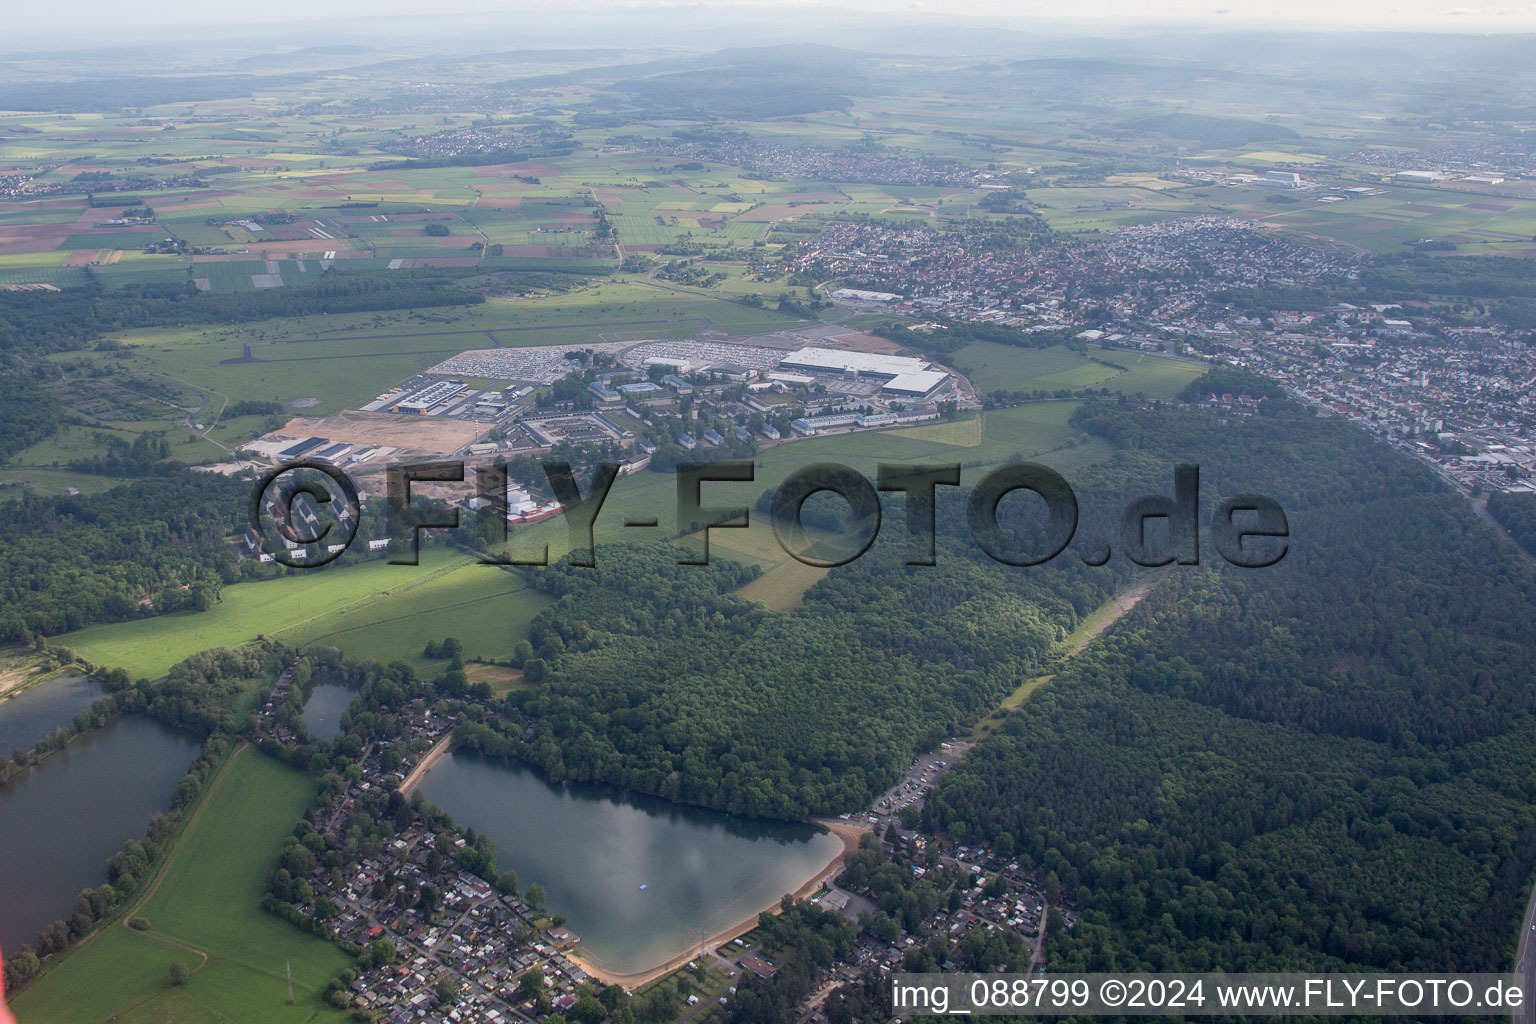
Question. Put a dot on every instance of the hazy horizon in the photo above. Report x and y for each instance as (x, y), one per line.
(97, 22)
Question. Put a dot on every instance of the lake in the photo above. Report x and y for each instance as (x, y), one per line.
(66, 816)
(593, 847)
(323, 709)
(36, 712)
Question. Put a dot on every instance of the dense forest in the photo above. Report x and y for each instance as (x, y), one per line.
(1321, 765)
(1325, 763)
(69, 561)
(1516, 512)
(656, 677)
(29, 414)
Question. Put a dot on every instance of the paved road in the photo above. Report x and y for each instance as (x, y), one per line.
(1525, 964)
(1481, 507)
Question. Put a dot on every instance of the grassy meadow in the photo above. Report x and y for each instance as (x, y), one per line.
(206, 902)
(368, 610)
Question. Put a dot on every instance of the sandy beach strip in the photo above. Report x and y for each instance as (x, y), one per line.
(848, 832)
(423, 766)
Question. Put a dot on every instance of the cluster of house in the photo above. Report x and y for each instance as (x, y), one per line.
(1000, 896)
(30, 186)
(876, 166)
(1478, 161)
(1459, 396)
(460, 947)
(465, 141)
(483, 941)
(1462, 398)
(1162, 273)
(13, 185)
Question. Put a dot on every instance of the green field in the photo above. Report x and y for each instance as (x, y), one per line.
(1149, 375)
(14, 480)
(207, 902)
(59, 277)
(370, 610)
(1406, 214)
(992, 366)
(486, 607)
(784, 581)
(113, 240)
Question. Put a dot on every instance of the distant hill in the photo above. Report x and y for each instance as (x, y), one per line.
(752, 83)
(1211, 132)
(105, 95)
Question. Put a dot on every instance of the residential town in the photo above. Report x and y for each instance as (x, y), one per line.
(1459, 398)
(1158, 277)
(767, 158)
(1455, 393)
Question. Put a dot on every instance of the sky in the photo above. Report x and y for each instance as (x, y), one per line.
(1098, 15)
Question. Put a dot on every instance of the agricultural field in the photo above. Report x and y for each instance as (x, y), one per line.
(204, 911)
(1098, 208)
(1488, 224)
(275, 216)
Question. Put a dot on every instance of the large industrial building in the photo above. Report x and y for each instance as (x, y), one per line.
(298, 451)
(430, 397)
(902, 375)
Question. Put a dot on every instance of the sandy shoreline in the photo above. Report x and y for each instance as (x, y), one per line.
(411, 781)
(848, 832)
(17, 677)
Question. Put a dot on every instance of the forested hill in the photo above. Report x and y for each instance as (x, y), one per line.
(1326, 764)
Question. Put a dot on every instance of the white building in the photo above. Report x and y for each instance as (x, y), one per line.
(860, 295)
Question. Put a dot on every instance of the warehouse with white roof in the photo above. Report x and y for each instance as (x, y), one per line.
(903, 375)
